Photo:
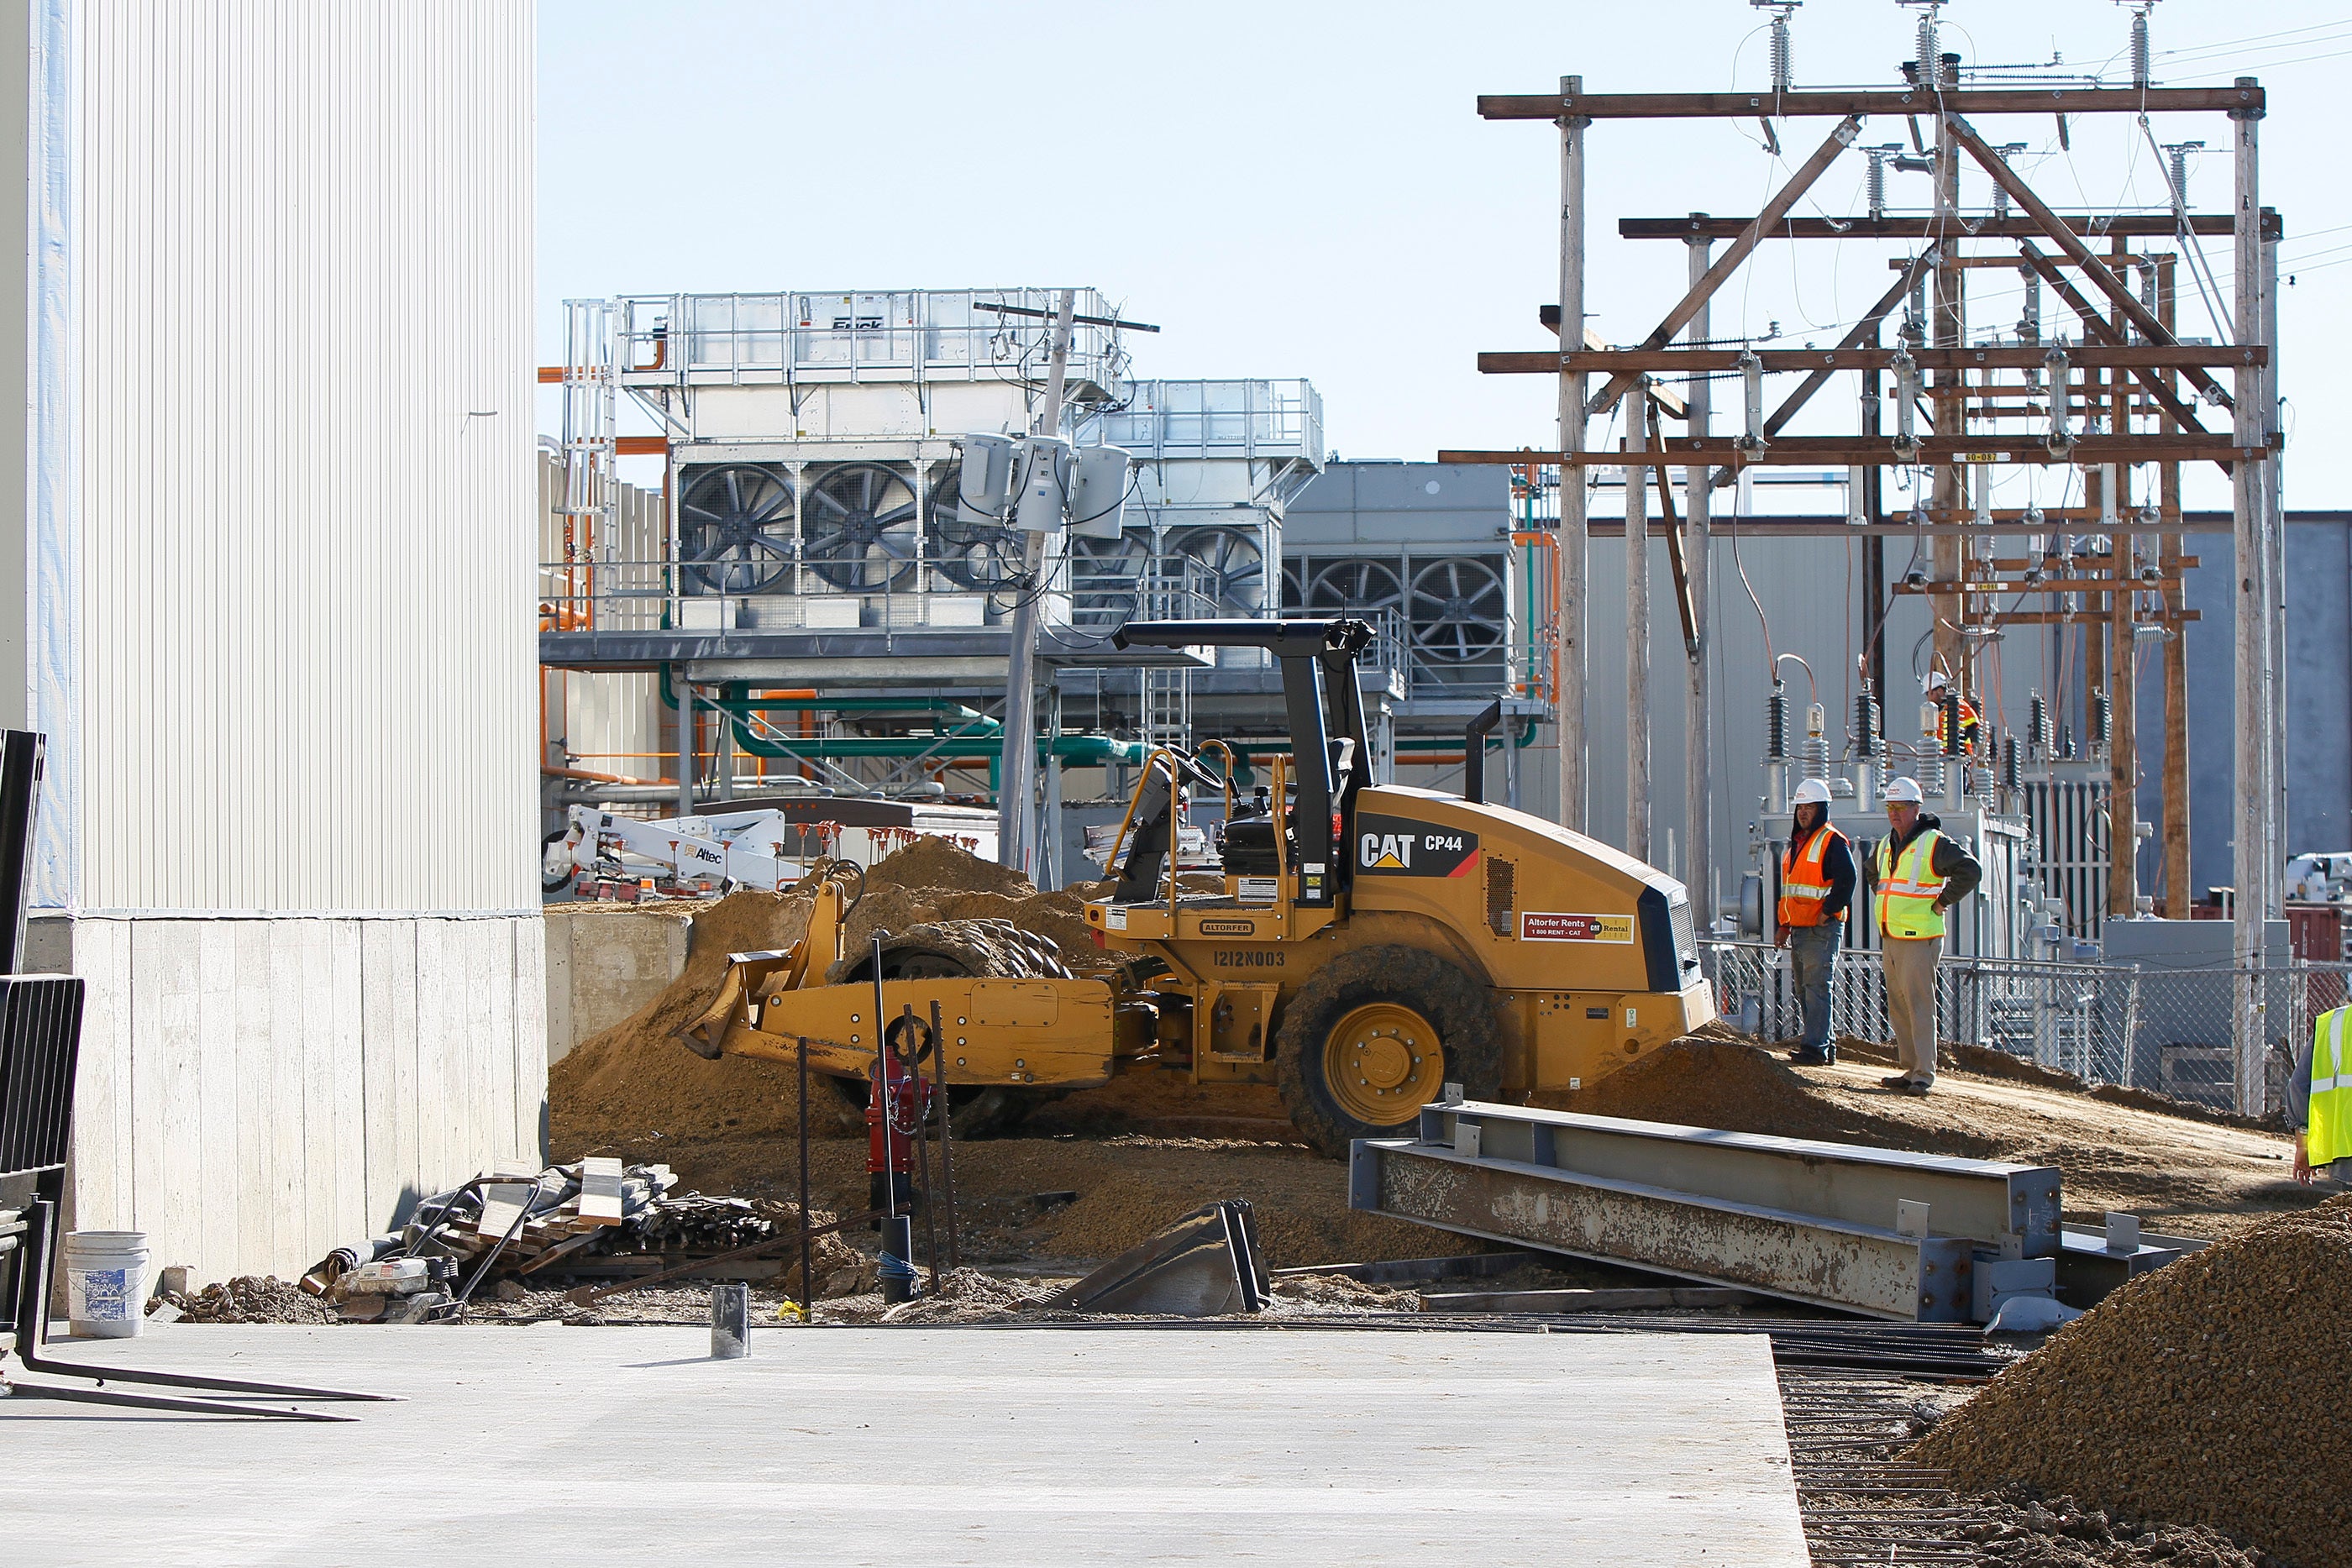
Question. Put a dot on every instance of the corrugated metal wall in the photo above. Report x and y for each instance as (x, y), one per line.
(303, 253)
(612, 723)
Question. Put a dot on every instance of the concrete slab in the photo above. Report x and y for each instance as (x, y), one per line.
(627, 1446)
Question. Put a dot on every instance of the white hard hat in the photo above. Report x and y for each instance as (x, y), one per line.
(1901, 789)
(1811, 792)
(1934, 678)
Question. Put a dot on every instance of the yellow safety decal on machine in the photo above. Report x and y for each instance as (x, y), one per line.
(1544, 925)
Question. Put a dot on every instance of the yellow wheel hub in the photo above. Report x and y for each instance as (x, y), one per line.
(1383, 1063)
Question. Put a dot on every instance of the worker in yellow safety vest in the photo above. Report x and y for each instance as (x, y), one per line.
(2319, 1101)
(1917, 873)
(1817, 879)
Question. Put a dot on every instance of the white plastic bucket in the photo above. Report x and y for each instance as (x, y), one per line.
(106, 1282)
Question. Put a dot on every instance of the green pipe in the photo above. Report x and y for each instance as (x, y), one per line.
(736, 702)
(1074, 750)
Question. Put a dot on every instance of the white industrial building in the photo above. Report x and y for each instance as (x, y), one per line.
(269, 599)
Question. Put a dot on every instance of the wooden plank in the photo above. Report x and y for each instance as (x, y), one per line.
(600, 1189)
(1920, 101)
(1672, 361)
(1613, 1301)
(2131, 226)
(1820, 451)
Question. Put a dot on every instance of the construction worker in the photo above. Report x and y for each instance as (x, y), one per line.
(2319, 1101)
(1816, 887)
(1917, 873)
(1936, 685)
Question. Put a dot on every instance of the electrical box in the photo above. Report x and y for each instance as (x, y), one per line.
(1044, 484)
(1098, 492)
(986, 487)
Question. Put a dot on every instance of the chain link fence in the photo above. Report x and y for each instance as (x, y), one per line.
(2162, 1030)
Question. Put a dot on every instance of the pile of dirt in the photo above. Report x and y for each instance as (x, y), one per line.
(2208, 1392)
(936, 866)
(2020, 1528)
(249, 1299)
(636, 1078)
(636, 1083)
(1704, 1081)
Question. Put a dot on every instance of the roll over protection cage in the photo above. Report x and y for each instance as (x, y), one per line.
(1319, 697)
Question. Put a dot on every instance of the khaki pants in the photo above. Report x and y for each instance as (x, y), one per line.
(1911, 1003)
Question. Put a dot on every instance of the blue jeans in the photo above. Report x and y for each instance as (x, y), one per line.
(1813, 953)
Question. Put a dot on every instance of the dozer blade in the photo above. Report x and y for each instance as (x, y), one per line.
(707, 1035)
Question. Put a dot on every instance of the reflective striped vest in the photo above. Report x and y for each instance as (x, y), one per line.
(1908, 888)
(2329, 1137)
(1804, 885)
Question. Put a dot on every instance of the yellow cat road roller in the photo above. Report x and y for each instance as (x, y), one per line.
(1371, 944)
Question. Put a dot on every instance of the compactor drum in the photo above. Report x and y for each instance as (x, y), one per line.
(1370, 945)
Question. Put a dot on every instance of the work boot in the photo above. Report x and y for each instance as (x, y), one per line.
(1900, 1080)
(1808, 1056)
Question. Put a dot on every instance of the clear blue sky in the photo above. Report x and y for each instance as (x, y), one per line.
(1307, 190)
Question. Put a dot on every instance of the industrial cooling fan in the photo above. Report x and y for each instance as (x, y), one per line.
(859, 528)
(735, 527)
(979, 555)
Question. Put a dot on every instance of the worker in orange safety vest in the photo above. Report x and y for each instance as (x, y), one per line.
(1817, 876)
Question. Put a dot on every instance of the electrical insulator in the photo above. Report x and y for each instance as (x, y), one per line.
(2059, 440)
(2102, 719)
(1931, 50)
(1776, 724)
(2011, 776)
(1951, 724)
(1874, 182)
(1907, 403)
(2039, 723)
(1866, 739)
(2139, 55)
(1817, 744)
(1783, 58)
(1751, 379)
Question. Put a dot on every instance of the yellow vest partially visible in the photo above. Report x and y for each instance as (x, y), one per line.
(1908, 888)
(2330, 1136)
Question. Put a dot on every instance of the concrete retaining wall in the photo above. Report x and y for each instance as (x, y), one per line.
(604, 963)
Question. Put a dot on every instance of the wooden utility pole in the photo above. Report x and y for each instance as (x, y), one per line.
(2250, 869)
(1575, 790)
(1016, 826)
(2177, 893)
(1637, 623)
(1698, 705)
(2123, 660)
(1951, 498)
